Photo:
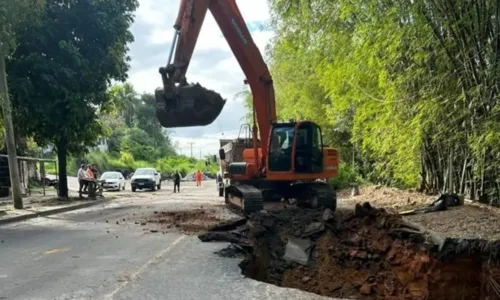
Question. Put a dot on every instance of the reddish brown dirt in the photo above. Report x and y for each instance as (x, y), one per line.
(189, 221)
(376, 258)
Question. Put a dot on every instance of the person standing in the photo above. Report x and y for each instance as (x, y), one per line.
(198, 178)
(90, 173)
(90, 176)
(82, 179)
(177, 181)
(94, 171)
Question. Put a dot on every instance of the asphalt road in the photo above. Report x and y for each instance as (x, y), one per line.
(95, 254)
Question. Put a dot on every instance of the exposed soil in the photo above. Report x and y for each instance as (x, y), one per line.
(473, 220)
(391, 199)
(188, 221)
(366, 254)
(469, 221)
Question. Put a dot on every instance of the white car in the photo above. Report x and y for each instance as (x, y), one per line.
(145, 178)
(113, 181)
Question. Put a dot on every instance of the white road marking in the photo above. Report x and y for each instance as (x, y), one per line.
(143, 268)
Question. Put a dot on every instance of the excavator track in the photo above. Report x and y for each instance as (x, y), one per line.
(245, 199)
(316, 194)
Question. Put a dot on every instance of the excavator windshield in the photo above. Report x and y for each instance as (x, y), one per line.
(280, 151)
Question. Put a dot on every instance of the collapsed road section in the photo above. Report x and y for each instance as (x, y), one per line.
(364, 254)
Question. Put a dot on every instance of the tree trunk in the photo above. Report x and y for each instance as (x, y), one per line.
(462, 178)
(9, 136)
(62, 152)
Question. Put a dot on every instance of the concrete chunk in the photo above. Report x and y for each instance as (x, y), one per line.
(314, 228)
(298, 250)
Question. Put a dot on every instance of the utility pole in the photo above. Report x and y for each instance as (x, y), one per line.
(9, 136)
(200, 153)
(191, 144)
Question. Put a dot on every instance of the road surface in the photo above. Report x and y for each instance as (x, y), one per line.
(95, 254)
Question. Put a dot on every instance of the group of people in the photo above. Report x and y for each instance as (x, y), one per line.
(198, 176)
(86, 174)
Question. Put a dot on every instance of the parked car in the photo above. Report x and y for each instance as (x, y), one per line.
(113, 181)
(145, 178)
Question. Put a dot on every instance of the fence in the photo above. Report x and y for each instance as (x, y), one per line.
(34, 180)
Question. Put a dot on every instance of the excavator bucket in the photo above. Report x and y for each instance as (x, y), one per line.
(191, 105)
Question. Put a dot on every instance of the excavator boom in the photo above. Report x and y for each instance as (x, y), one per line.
(289, 157)
(180, 104)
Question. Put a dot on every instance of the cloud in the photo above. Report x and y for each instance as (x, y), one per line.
(213, 65)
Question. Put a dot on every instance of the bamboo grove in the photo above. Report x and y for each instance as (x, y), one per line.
(408, 90)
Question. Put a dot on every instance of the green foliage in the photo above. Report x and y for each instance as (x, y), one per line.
(409, 87)
(347, 175)
(131, 125)
(69, 69)
(135, 139)
(139, 144)
(60, 72)
(126, 163)
(14, 16)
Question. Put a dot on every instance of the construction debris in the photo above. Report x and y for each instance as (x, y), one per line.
(365, 254)
(298, 250)
(187, 221)
(441, 204)
(229, 225)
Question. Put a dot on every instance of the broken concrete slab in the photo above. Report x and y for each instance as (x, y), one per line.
(328, 215)
(220, 237)
(229, 225)
(256, 229)
(298, 250)
(313, 228)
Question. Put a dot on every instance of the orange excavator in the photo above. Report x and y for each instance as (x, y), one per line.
(280, 160)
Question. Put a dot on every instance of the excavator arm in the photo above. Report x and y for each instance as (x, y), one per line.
(180, 104)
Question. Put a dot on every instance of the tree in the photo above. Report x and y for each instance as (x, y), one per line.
(138, 143)
(412, 87)
(114, 130)
(13, 16)
(140, 123)
(125, 100)
(61, 71)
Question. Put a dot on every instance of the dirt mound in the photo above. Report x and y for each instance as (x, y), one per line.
(193, 105)
(366, 254)
(189, 221)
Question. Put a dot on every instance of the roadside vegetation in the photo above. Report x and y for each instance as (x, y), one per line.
(167, 166)
(408, 92)
(60, 83)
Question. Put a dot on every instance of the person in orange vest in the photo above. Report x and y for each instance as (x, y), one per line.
(198, 178)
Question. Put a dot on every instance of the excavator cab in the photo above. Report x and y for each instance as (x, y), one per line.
(296, 146)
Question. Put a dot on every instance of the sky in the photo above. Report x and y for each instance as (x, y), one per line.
(213, 65)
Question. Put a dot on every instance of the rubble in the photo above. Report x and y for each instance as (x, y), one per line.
(229, 225)
(298, 250)
(187, 221)
(365, 254)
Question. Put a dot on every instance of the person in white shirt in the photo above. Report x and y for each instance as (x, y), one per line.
(82, 178)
